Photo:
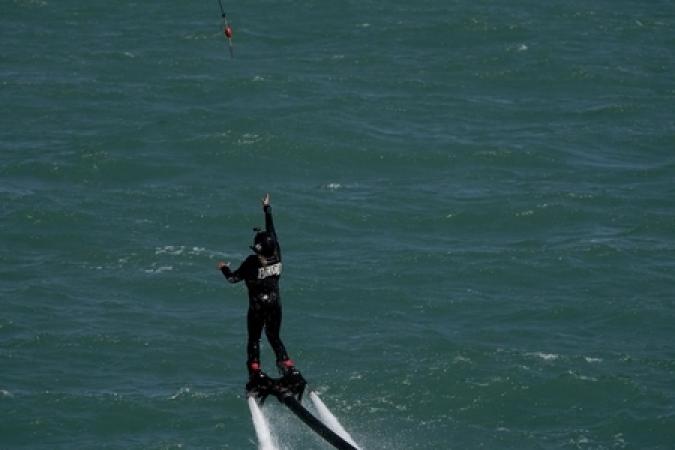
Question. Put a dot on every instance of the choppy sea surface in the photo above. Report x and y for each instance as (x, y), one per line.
(475, 200)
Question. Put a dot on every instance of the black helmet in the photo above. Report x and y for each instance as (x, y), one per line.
(264, 244)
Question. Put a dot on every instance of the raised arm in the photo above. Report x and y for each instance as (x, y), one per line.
(269, 222)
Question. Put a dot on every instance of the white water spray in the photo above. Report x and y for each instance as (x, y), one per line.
(262, 429)
(329, 419)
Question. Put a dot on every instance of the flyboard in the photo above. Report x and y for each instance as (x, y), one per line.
(289, 389)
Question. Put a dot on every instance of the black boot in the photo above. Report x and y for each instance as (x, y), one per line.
(286, 366)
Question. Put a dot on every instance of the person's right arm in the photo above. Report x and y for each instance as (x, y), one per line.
(269, 222)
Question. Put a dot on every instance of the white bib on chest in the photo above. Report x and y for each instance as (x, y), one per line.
(268, 271)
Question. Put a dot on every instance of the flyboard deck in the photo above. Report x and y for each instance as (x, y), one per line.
(288, 389)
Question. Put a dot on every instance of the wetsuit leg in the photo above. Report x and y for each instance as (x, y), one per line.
(272, 329)
(255, 322)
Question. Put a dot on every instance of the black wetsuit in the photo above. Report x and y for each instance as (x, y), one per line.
(261, 274)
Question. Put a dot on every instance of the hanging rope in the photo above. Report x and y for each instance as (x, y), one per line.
(227, 28)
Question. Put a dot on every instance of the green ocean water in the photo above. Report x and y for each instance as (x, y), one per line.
(475, 200)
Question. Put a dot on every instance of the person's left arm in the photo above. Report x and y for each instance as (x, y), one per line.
(232, 277)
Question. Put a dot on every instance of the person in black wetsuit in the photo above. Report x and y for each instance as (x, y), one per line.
(261, 272)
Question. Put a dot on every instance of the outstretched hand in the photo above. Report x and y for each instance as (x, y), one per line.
(222, 264)
(266, 200)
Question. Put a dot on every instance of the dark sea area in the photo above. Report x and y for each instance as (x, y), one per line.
(475, 202)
